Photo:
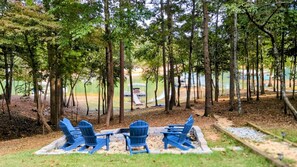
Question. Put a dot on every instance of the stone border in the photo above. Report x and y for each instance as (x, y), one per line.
(196, 131)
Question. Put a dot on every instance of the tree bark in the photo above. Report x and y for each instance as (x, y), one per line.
(157, 85)
(216, 63)
(178, 90)
(294, 67)
(188, 104)
(257, 66)
(248, 75)
(270, 75)
(131, 88)
(206, 61)
(236, 65)
(122, 81)
(232, 75)
(262, 69)
(86, 95)
(164, 58)
(110, 84)
(6, 101)
(99, 103)
(146, 83)
(170, 53)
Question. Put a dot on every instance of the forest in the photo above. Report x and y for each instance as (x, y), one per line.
(61, 42)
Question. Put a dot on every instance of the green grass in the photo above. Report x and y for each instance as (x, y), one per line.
(222, 159)
(226, 158)
(291, 134)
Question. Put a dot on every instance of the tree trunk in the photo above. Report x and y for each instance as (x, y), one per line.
(99, 103)
(206, 61)
(188, 104)
(8, 75)
(232, 75)
(262, 70)
(270, 76)
(194, 87)
(164, 58)
(178, 90)
(103, 97)
(216, 62)
(257, 66)
(283, 60)
(110, 84)
(236, 64)
(223, 83)
(46, 89)
(59, 94)
(71, 95)
(131, 88)
(6, 101)
(197, 83)
(122, 81)
(277, 78)
(170, 53)
(294, 67)
(86, 95)
(253, 77)
(146, 83)
(157, 85)
(248, 75)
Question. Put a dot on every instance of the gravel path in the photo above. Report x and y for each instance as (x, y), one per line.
(248, 133)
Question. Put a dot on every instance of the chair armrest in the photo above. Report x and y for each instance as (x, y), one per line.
(172, 133)
(178, 125)
(104, 134)
(126, 134)
(174, 128)
(75, 132)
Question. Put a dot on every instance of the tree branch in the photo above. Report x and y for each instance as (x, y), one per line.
(270, 16)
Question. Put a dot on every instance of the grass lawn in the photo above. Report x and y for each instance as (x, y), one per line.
(227, 158)
(291, 134)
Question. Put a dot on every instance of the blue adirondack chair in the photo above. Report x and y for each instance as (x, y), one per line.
(179, 139)
(137, 137)
(72, 129)
(177, 127)
(73, 140)
(92, 139)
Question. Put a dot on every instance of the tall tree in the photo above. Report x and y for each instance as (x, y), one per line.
(236, 64)
(164, 57)
(170, 52)
(207, 69)
(109, 58)
(188, 105)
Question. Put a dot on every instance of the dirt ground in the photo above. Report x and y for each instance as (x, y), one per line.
(23, 132)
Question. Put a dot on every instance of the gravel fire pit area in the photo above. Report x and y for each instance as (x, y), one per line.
(117, 143)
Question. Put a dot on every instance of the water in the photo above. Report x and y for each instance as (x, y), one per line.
(92, 89)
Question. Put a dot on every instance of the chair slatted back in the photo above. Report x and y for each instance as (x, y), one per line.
(68, 123)
(187, 127)
(138, 132)
(88, 133)
(69, 137)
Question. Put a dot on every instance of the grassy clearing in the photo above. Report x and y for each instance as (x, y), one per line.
(228, 158)
(223, 159)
